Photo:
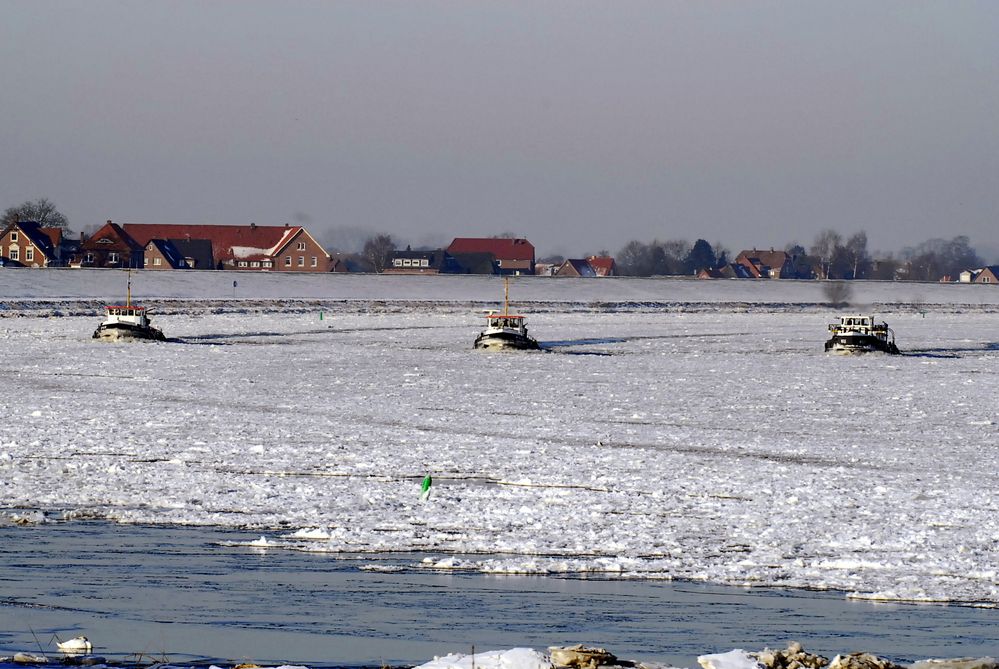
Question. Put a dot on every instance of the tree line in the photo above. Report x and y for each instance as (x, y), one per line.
(830, 256)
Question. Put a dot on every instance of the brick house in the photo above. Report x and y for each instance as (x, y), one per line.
(575, 267)
(162, 254)
(988, 274)
(510, 256)
(110, 246)
(197, 253)
(762, 264)
(435, 261)
(287, 248)
(26, 244)
(603, 265)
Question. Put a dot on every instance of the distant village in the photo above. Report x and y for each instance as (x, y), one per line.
(291, 248)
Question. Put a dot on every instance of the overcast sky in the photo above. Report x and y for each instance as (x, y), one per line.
(580, 125)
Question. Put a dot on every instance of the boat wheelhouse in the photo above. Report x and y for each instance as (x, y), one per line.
(127, 321)
(860, 334)
(505, 331)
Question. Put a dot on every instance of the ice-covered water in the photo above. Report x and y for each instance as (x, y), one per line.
(165, 592)
(672, 430)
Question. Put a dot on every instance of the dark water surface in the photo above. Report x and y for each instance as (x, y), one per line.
(174, 592)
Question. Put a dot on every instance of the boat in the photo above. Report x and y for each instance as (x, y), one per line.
(860, 334)
(127, 321)
(505, 331)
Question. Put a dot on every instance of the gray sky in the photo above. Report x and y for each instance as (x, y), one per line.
(580, 125)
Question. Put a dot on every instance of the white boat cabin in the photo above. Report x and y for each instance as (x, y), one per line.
(129, 314)
(506, 322)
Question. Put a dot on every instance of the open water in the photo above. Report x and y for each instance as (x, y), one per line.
(143, 593)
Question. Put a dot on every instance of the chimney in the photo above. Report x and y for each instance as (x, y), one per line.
(253, 226)
(109, 221)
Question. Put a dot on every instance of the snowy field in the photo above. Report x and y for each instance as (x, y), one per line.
(671, 429)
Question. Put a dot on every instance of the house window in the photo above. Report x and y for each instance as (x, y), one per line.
(14, 253)
(268, 263)
(287, 261)
(301, 261)
(113, 257)
(89, 258)
(157, 261)
(242, 263)
(407, 263)
(13, 236)
(301, 246)
(397, 262)
(254, 263)
(29, 254)
(145, 261)
(315, 261)
(424, 262)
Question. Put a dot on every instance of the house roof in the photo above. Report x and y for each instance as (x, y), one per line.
(474, 263)
(434, 257)
(581, 267)
(116, 239)
(168, 251)
(759, 258)
(736, 271)
(500, 248)
(992, 270)
(602, 265)
(198, 250)
(245, 242)
(45, 240)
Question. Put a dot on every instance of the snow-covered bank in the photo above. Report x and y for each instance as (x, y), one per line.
(102, 284)
(719, 445)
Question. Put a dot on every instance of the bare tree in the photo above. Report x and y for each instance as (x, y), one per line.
(856, 253)
(378, 251)
(41, 211)
(824, 248)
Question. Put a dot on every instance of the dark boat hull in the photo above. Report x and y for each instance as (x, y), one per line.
(505, 341)
(127, 331)
(859, 343)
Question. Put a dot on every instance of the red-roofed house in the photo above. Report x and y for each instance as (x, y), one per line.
(576, 267)
(109, 247)
(511, 256)
(26, 244)
(284, 248)
(602, 265)
(762, 264)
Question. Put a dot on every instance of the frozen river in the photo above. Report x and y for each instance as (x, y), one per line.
(670, 430)
(155, 592)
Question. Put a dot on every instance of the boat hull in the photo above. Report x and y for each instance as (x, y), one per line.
(847, 344)
(127, 332)
(505, 341)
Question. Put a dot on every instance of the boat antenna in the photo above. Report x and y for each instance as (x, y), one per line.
(506, 296)
(128, 288)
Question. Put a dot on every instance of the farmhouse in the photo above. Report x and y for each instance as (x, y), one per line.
(988, 274)
(762, 264)
(251, 247)
(577, 267)
(109, 247)
(509, 256)
(26, 244)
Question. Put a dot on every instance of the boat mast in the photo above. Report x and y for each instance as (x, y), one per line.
(506, 296)
(128, 289)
